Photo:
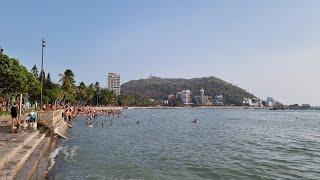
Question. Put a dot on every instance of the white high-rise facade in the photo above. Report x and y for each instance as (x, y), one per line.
(114, 82)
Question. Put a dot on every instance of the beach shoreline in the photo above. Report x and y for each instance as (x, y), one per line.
(199, 107)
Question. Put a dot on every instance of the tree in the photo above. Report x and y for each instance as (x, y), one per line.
(42, 74)
(97, 92)
(15, 78)
(48, 81)
(97, 86)
(55, 93)
(89, 94)
(68, 84)
(81, 92)
(34, 71)
(126, 100)
(107, 97)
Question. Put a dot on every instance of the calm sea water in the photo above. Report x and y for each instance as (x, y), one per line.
(224, 144)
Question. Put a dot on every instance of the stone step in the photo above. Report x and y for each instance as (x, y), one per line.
(19, 158)
(10, 144)
(36, 164)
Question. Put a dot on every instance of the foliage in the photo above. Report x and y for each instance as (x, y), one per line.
(15, 78)
(68, 85)
(34, 71)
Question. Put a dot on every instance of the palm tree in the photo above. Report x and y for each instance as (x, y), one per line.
(82, 88)
(89, 94)
(67, 82)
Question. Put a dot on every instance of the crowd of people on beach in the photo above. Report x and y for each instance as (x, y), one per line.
(92, 116)
(69, 112)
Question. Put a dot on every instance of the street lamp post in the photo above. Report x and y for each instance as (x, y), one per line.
(43, 45)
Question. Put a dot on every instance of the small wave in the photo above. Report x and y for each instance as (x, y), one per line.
(70, 152)
(53, 156)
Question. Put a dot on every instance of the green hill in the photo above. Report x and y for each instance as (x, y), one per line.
(160, 88)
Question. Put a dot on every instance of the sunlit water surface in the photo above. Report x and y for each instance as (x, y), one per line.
(224, 144)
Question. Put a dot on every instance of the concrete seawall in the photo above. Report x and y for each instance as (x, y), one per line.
(21, 152)
(54, 121)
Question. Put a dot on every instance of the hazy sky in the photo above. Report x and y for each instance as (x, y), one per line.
(270, 48)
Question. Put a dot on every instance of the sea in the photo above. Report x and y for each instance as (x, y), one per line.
(166, 144)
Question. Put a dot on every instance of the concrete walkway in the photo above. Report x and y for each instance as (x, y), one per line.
(15, 149)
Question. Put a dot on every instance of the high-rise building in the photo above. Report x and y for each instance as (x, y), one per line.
(114, 82)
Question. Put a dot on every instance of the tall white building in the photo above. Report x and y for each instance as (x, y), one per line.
(202, 95)
(185, 96)
(114, 82)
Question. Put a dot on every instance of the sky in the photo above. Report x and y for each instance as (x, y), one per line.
(270, 48)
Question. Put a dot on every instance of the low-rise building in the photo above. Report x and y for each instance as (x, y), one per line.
(254, 102)
(218, 100)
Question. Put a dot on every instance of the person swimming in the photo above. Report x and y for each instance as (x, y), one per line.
(195, 121)
(138, 122)
(90, 125)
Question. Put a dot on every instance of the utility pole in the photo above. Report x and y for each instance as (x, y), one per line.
(20, 107)
(43, 45)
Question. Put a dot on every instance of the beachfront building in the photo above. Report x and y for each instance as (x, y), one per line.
(254, 102)
(270, 102)
(218, 100)
(203, 99)
(114, 83)
(247, 102)
(185, 96)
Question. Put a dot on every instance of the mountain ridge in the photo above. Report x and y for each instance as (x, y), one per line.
(159, 88)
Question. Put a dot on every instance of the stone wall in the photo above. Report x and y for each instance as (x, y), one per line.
(51, 119)
(7, 120)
